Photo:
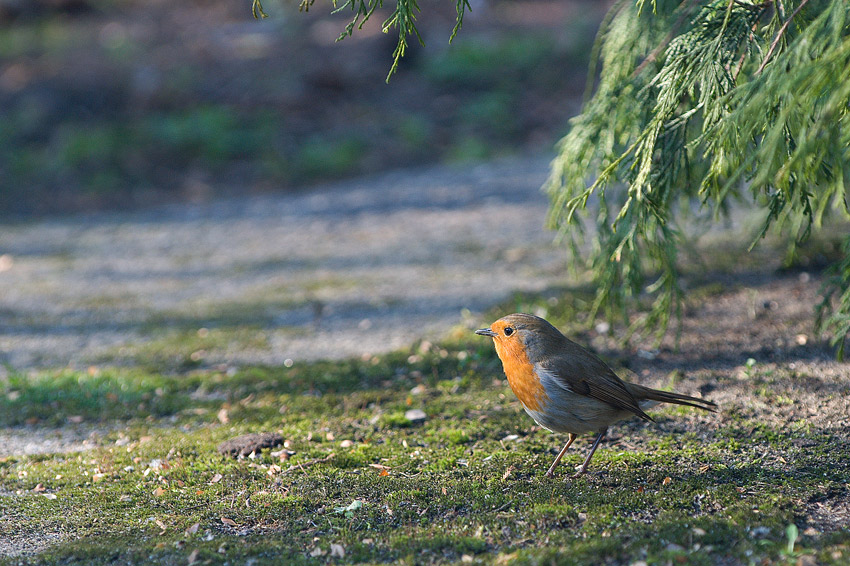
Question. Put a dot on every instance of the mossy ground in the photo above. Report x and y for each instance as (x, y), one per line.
(763, 481)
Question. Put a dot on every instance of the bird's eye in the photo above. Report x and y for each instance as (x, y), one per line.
(508, 331)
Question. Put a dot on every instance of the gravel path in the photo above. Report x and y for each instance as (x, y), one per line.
(356, 267)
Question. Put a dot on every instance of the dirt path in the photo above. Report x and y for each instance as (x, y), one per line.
(362, 266)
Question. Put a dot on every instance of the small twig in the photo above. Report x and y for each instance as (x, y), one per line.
(748, 5)
(653, 55)
(306, 464)
(740, 64)
(779, 35)
(503, 507)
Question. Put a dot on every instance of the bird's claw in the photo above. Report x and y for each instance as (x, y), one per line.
(580, 471)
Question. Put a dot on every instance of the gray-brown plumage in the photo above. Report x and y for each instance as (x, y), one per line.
(566, 388)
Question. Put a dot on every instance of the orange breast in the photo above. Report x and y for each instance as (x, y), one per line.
(521, 375)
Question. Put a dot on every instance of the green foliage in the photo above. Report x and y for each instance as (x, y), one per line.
(698, 106)
(402, 19)
(836, 289)
(257, 10)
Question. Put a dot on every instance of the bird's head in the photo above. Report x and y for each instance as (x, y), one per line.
(526, 331)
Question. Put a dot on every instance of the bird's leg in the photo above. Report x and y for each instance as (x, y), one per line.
(551, 472)
(583, 468)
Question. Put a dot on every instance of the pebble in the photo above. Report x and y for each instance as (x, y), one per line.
(416, 416)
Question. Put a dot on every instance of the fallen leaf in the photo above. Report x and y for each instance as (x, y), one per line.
(39, 488)
(282, 455)
(193, 557)
(193, 529)
(216, 478)
(228, 522)
(222, 416)
(350, 509)
(666, 481)
(273, 469)
(316, 552)
(49, 495)
(158, 492)
(384, 472)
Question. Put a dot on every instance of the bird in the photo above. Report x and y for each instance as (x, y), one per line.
(567, 389)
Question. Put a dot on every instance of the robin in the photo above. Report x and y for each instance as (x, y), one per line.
(564, 387)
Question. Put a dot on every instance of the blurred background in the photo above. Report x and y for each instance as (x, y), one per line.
(184, 186)
(108, 104)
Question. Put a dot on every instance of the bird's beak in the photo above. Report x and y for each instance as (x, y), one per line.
(486, 332)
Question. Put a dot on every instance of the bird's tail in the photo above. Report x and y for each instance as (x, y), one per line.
(641, 393)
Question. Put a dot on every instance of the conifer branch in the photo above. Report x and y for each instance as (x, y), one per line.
(779, 35)
(693, 132)
(653, 55)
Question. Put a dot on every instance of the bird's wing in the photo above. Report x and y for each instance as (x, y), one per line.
(579, 371)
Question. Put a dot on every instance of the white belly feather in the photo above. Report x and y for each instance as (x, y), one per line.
(567, 411)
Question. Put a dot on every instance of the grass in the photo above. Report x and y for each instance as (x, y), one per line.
(364, 485)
